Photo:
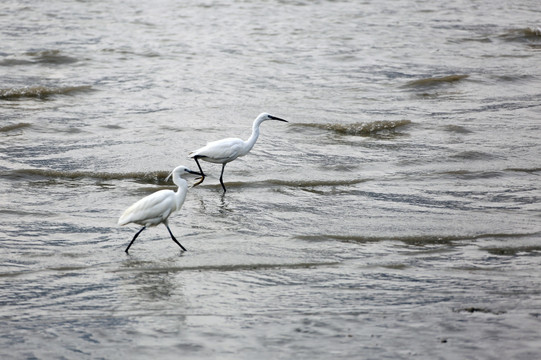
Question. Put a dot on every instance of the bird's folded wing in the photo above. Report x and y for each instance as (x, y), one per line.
(157, 205)
(224, 149)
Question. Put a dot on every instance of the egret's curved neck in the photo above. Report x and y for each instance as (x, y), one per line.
(249, 144)
(180, 195)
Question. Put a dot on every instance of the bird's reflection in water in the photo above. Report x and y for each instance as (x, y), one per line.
(155, 282)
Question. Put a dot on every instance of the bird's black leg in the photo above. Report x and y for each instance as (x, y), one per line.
(222, 177)
(200, 170)
(173, 237)
(135, 237)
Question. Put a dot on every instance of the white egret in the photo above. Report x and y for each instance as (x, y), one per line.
(154, 209)
(226, 150)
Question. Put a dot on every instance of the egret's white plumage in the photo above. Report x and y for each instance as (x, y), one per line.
(154, 209)
(227, 150)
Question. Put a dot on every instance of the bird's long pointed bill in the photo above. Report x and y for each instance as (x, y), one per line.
(277, 118)
(190, 171)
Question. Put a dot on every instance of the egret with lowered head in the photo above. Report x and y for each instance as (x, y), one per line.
(154, 209)
(227, 150)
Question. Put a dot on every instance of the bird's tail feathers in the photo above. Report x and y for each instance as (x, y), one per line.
(124, 218)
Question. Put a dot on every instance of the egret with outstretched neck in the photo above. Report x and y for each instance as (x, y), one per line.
(227, 150)
(155, 209)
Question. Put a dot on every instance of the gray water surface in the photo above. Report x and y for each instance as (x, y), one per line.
(396, 216)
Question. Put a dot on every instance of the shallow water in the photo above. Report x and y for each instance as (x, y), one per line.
(395, 216)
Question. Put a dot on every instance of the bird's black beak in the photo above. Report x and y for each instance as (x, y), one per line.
(194, 172)
(277, 118)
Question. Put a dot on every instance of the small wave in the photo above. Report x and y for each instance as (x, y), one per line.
(229, 267)
(316, 183)
(457, 129)
(523, 34)
(359, 129)
(51, 57)
(513, 251)
(19, 212)
(483, 174)
(41, 92)
(286, 183)
(158, 177)
(15, 62)
(484, 310)
(411, 240)
(154, 177)
(467, 174)
(435, 81)
(54, 57)
(13, 127)
(526, 170)
(472, 155)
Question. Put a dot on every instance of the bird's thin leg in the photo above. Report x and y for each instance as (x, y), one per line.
(222, 177)
(200, 170)
(173, 237)
(135, 237)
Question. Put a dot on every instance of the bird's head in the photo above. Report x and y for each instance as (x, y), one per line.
(181, 171)
(265, 116)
